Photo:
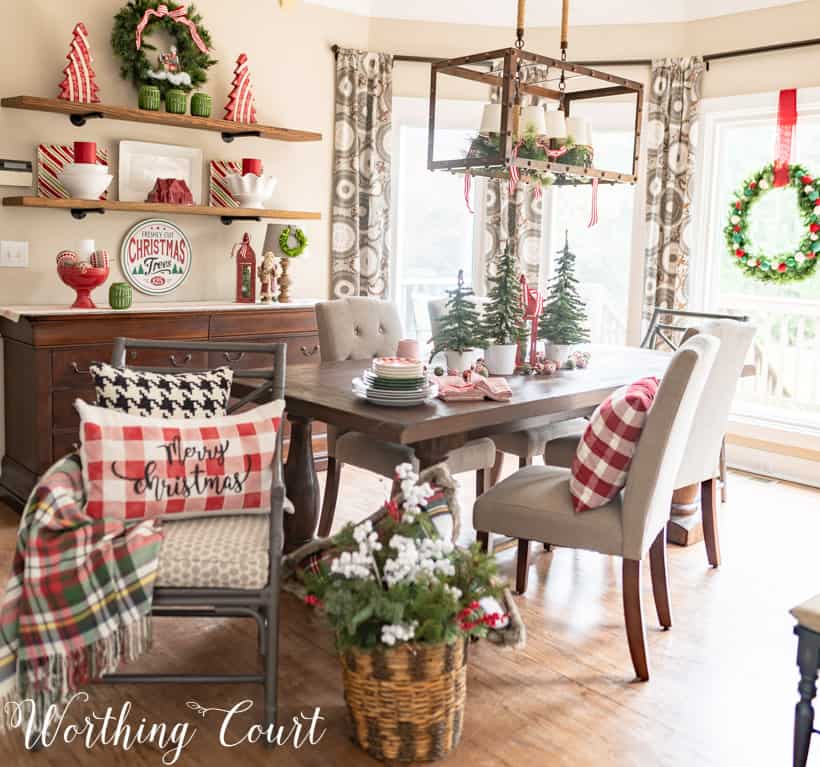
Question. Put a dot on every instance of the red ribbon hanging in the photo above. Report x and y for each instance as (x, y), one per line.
(786, 120)
(178, 15)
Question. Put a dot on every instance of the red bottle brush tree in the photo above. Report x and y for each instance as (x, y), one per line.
(79, 81)
(241, 106)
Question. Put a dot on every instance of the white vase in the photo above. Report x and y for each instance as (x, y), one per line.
(558, 352)
(460, 361)
(500, 359)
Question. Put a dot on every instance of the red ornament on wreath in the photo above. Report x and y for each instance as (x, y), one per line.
(241, 106)
(245, 271)
(79, 84)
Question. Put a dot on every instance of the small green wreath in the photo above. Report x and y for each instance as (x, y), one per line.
(284, 241)
(134, 64)
(788, 266)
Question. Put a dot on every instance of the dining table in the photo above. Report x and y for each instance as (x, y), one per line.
(324, 393)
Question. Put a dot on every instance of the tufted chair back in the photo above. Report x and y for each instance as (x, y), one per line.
(357, 329)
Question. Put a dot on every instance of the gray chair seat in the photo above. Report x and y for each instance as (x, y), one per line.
(225, 552)
(383, 457)
(530, 442)
(535, 504)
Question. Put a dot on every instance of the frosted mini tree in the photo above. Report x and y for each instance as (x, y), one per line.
(504, 314)
(564, 319)
(460, 327)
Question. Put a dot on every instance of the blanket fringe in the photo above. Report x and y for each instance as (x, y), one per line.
(52, 681)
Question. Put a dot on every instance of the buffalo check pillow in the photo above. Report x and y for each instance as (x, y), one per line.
(601, 463)
(136, 467)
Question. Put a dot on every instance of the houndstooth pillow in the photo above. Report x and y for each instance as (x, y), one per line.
(163, 395)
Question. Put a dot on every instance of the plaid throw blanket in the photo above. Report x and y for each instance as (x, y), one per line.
(79, 597)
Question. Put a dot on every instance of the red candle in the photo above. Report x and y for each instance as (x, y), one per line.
(85, 151)
(251, 165)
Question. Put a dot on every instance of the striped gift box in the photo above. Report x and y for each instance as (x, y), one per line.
(219, 196)
(51, 159)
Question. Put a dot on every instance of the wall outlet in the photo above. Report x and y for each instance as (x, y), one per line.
(14, 253)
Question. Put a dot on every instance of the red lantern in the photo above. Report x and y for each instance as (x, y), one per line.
(245, 271)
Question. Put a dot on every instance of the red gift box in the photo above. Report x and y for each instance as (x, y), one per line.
(251, 165)
(85, 152)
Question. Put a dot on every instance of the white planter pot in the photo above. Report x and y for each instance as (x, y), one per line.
(559, 352)
(500, 359)
(461, 361)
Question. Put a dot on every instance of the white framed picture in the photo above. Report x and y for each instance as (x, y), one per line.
(141, 163)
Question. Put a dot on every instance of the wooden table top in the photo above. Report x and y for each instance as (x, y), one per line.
(324, 393)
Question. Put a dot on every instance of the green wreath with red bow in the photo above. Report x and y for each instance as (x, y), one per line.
(788, 266)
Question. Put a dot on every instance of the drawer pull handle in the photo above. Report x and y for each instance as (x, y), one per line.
(185, 360)
(75, 366)
(309, 352)
(231, 357)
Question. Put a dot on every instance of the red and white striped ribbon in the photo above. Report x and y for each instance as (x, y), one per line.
(468, 186)
(178, 15)
(593, 218)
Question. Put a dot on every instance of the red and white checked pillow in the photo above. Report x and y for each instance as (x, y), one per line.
(601, 463)
(136, 467)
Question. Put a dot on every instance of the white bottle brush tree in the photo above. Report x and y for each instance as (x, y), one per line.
(503, 321)
(460, 328)
(564, 319)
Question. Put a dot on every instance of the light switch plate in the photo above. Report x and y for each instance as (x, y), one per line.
(14, 253)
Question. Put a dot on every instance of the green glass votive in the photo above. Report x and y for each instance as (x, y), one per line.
(176, 102)
(149, 98)
(201, 105)
(120, 295)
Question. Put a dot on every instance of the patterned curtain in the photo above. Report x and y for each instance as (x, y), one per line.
(528, 211)
(360, 240)
(674, 93)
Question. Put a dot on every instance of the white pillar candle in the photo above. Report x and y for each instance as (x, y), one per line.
(578, 130)
(491, 119)
(86, 249)
(556, 124)
(533, 120)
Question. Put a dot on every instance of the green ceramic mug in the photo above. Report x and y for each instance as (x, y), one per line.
(201, 104)
(149, 98)
(120, 295)
(176, 101)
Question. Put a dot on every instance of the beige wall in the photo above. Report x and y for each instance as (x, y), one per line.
(291, 65)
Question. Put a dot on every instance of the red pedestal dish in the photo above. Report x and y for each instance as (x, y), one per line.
(83, 278)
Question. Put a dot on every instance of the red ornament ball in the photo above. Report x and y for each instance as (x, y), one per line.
(737, 227)
(807, 180)
(740, 252)
(753, 185)
(814, 228)
(738, 205)
(781, 267)
(811, 255)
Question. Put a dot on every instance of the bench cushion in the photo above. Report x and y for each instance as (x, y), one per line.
(808, 614)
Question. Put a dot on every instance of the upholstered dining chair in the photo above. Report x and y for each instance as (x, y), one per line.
(535, 502)
(226, 566)
(701, 460)
(360, 328)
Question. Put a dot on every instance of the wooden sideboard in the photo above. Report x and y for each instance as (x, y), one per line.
(47, 354)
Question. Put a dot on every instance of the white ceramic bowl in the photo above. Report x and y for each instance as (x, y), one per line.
(85, 168)
(251, 190)
(86, 186)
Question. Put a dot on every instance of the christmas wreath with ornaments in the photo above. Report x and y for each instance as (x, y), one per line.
(788, 266)
(184, 66)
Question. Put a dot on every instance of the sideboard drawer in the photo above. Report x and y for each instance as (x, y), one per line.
(63, 413)
(69, 367)
(301, 350)
(259, 322)
(65, 441)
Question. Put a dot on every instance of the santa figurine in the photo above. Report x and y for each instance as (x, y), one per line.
(533, 303)
(269, 272)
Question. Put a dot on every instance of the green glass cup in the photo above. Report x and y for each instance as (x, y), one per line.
(176, 101)
(149, 98)
(120, 295)
(201, 105)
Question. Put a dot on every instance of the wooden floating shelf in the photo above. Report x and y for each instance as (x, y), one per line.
(80, 113)
(80, 208)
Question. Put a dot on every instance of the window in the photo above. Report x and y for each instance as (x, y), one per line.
(434, 235)
(739, 138)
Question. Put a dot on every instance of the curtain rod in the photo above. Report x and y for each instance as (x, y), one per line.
(709, 57)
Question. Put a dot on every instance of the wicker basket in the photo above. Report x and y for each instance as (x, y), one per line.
(407, 703)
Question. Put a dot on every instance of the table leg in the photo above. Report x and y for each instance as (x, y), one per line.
(301, 483)
(433, 451)
(808, 655)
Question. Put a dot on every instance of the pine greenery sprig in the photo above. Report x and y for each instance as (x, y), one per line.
(564, 318)
(503, 321)
(789, 265)
(134, 64)
(460, 327)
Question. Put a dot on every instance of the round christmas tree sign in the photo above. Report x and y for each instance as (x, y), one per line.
(155, 256)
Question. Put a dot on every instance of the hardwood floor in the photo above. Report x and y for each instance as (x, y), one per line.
(723, 685)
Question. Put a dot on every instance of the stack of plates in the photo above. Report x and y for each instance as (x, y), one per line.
(395, 382)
